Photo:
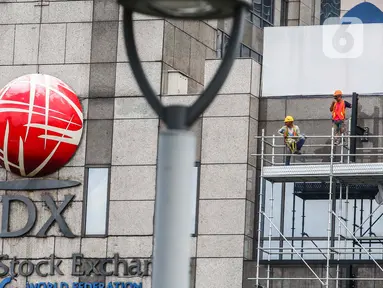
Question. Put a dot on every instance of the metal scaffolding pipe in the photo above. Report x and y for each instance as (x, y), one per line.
(260, 207)
(344, 154)
(330, 279)
(330, 208)
(292, 247)
(372, 258)
(325, 136)
(314, 248)
(334, 233)
(270, 229)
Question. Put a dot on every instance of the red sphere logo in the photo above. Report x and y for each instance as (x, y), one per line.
(41, 124)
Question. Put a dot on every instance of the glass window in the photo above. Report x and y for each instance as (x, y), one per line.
(245, 51)
(225, 43)
(262, 10)
(255, 56)
(237, 53)
(242, 51)
(273, 194)
(257, 20)
(219, 44)
(268, 8)
(248, 16)
(329, 8)
(257, 7)
(284, 12)
(316, 217)
(97, 201)
(300, 211)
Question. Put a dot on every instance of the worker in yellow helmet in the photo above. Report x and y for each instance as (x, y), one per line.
(293, 138)
(338, 110)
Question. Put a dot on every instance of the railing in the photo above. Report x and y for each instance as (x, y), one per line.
(275, 149)
(342, 240)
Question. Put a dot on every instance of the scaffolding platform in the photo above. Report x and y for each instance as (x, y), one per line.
(348, 173)
(320, 190)
(320, 206)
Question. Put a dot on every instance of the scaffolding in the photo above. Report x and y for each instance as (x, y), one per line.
(348, 191)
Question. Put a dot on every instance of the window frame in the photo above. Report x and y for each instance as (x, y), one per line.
(284, 12)
(221, 49)
(259, 19)
(333, 11)
(85, 202)
(196, 218)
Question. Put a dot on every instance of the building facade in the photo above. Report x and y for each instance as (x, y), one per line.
(81, 43)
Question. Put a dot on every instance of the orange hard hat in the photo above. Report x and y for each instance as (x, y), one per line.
(338, 93)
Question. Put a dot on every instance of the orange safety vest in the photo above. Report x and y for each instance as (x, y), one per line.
(287, 131)
(339, 111)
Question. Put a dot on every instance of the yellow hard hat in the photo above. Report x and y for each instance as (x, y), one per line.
(338, 93)
(289, 119)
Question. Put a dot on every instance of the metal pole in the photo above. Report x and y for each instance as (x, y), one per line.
(282, 218)
(293, 224)
(367, 219)
(349, 141)
(332, 279)
(354, 121)
(346, 219)
(303, 224)
(339, 230)
(342, 149)
(293, 248)
(362, 247)
(270, 232)
(354, 226)
(361, 221)
(260, 208)
(330, 210)
(172, 225)
(347, 186)
(273, 150)
(176, 158)
(370, 216)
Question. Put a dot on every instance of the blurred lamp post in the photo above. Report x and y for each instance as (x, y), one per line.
(177, 145)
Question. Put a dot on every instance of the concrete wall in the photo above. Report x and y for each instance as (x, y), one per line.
(81, 43)
(303, 12)
(186, 46)
(227, 191)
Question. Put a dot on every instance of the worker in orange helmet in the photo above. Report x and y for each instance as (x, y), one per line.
(293, 138)
(338, 110)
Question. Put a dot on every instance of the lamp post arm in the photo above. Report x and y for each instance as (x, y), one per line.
(136, 66)
(219, 78)
(181, 117)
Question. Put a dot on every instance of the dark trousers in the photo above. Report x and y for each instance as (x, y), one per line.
(299, 144)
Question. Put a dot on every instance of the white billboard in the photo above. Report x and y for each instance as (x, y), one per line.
(317, 60)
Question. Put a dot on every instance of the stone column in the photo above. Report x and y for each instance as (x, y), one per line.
(227, 190)
(303, 12)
